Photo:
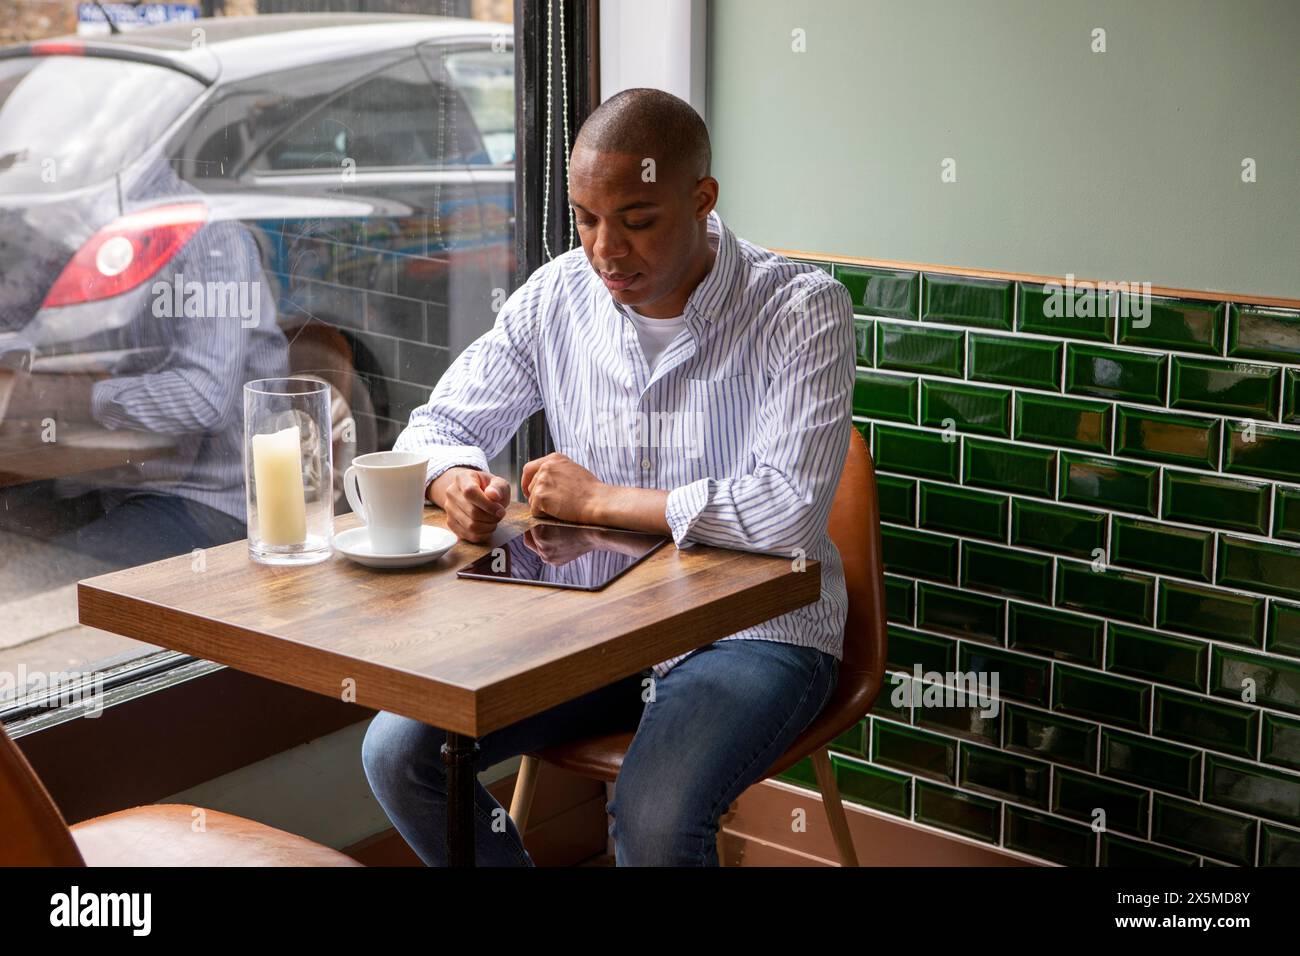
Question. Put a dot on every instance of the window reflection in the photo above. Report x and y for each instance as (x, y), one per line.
(338, 204)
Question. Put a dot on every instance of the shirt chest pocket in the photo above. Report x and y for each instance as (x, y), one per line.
(717, 427)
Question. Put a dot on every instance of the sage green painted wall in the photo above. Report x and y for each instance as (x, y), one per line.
(1117, 165)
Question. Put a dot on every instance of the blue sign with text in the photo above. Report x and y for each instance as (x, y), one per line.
(90, 19)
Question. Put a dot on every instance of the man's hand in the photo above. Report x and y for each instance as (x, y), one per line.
(474, 500)
(562, 548)
(558, 487)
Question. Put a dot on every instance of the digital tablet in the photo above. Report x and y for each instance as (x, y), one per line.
(565, 556)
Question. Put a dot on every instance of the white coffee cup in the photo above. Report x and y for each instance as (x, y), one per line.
(386, 490)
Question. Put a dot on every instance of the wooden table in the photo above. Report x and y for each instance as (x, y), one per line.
(464, 655)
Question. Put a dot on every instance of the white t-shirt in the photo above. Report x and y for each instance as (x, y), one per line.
(655, 334)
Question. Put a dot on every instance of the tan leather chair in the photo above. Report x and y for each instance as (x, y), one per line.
(854, 526)
(35, 833)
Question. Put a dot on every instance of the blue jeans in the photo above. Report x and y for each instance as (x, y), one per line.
(718, 722)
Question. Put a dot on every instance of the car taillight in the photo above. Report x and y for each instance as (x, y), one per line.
(125, 253)
(57, 48)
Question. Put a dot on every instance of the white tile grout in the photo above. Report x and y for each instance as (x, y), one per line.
(1221, 428)
(1155, 468)
(1154, 580)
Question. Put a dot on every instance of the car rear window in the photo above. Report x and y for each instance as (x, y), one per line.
(68, 121)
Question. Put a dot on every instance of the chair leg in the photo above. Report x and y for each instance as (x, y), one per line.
(521, 801)
(722, 821)
(821, 761)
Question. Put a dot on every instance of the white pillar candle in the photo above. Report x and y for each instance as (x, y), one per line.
(277, 472)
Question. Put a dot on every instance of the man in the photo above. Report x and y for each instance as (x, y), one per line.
(662, 311)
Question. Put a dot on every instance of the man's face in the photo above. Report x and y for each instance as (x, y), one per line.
(642, 238)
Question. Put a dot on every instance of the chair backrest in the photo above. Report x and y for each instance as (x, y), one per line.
(35, 833)
(854, 527)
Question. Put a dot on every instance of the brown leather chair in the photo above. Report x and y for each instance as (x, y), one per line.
(854, 526)
(35, 833)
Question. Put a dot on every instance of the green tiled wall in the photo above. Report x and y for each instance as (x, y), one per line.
(1106, 512)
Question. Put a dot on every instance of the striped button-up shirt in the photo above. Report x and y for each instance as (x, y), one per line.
(744, 420)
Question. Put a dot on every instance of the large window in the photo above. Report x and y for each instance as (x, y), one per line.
(353, 176)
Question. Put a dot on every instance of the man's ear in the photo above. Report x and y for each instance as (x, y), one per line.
(706, 197)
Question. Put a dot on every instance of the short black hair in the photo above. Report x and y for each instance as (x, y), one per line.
(649, 123)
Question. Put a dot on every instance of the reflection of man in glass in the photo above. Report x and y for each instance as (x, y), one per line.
(557, 554)
(177, 378)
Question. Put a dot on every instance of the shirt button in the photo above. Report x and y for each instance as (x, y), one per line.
(645, 464)
(628, 381)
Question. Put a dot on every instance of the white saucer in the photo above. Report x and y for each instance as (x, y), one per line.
(355, 544)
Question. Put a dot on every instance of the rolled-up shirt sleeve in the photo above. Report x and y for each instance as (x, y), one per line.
(807, 411)
(486, 393)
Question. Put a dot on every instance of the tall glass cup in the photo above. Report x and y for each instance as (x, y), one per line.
(288, 470)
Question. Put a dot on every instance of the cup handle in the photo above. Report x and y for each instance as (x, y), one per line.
(354, 494)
